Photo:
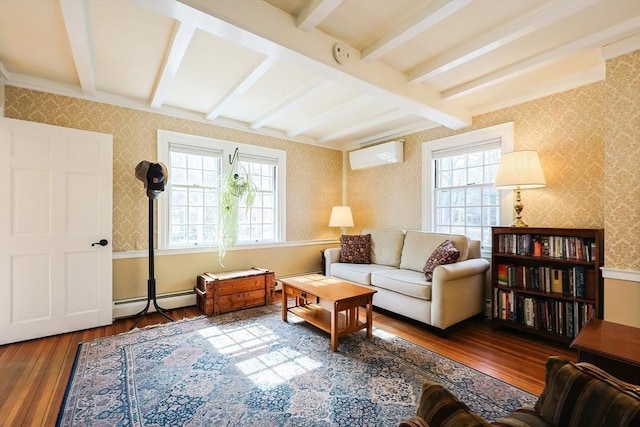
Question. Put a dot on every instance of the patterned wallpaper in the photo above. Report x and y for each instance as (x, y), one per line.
(314, 174)
(567, 130)
(571, 131)
(622, 163)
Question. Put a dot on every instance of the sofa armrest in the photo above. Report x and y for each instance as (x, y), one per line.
(331, 255)
(457, 291)
(458, 270)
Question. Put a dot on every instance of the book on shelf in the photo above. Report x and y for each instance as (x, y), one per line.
(503, 274)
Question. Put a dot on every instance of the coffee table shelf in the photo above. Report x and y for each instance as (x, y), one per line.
(321, 319)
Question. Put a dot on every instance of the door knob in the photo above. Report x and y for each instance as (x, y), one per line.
(103, 242)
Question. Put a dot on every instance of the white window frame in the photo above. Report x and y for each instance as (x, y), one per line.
(469, 139)
(227, 148)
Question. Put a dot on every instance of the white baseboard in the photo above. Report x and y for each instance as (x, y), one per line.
(131, 307)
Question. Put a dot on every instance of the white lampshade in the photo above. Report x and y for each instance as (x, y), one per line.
(519, 169)
(341, 217)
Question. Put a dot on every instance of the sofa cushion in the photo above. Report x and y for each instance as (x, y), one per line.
(406, 282)
(438, 407)
(419, 245)
(358, 273)
(355, 249)
(580, 394)
(445, 253)
(386, 246)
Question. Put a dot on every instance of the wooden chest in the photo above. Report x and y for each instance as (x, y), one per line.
(219, 293)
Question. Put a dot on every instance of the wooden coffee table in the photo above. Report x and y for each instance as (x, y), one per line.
(329, 304)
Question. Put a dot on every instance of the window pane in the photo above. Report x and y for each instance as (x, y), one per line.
(442, 198)
(458, 216)
(475, 159)
(178, 160)
(474, 216)
(475, 175)
(459, 177)
(444, 180)
(465, 201)
(474, 196)
(178, 176)
(457, 197)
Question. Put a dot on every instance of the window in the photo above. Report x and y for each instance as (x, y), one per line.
(189, 211)
(459, 172)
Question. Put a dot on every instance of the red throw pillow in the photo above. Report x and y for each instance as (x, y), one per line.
(446, 253)
(355, 249)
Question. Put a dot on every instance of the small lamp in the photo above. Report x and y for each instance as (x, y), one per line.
(341, 217)
(519, 170)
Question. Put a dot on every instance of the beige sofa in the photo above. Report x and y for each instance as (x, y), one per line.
(455, 293)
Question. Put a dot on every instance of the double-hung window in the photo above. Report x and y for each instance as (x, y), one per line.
(190, 208)
(459, 174)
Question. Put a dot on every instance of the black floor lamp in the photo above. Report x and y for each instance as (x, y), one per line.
(154, 177)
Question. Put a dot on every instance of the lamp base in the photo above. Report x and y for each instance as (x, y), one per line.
(518, 206)
(519, 223)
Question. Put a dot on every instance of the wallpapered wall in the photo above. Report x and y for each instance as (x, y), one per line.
(622, 163)
(134, 139)
(571, 131)
(566, 130)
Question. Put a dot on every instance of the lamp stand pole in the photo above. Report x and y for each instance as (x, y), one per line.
(518, 206)
(151, 283)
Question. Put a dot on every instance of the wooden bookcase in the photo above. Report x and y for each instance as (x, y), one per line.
(546, 281)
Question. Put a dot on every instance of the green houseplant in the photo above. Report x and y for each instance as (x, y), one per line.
(235, 187)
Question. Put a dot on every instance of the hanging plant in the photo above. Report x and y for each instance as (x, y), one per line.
(235, 187)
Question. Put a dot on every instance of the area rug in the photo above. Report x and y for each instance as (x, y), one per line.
(249, 368)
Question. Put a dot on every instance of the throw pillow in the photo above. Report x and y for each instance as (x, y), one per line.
(581, 395)
(445, 253)
(355, 249)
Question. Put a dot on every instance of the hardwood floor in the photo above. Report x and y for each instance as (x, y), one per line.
(34, 374)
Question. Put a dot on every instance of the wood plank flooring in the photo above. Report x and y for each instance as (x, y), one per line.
(34, 374)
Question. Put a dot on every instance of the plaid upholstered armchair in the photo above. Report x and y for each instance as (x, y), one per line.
(575, 394)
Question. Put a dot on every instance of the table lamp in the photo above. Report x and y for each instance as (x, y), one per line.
(341, 217)
(519, 170)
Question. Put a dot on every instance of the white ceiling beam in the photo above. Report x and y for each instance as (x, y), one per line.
(314, 12)
(77, 25)
(426, 18)
(610, 35)
(594, 74)
(182, 35)
(252, 75)
(534, 21)
(291, 102)
(396, 132)
(621, 47)
(350, 130)
(267, 29)
(328, 115)
(4, 72)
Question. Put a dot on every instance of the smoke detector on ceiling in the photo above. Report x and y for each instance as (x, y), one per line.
(340, 53)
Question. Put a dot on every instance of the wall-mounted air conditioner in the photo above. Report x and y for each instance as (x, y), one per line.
(389, 152)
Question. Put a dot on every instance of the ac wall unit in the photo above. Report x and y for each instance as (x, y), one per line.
(377, 155)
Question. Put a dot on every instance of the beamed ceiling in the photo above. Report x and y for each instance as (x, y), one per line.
(336, 73)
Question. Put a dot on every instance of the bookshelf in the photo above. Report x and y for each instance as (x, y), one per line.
(546, 281)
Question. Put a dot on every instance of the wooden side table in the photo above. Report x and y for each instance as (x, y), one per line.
(613, 347)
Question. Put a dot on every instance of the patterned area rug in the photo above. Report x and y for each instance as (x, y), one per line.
(249, 368)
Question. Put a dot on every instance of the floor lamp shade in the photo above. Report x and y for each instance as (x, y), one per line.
(519, 170)
(341, 217)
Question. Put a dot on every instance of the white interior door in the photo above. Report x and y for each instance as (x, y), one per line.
(55, 202)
